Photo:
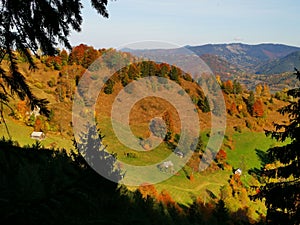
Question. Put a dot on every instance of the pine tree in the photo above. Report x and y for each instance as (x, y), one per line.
(109, 88)
(237, 87)
(281, 190)
(204, 104)
(174, 74)
(91, 147)
(250, 102)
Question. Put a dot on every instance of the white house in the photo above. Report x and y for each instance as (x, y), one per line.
(37, 135)
(238, 172)
(179, 153)
(36, 111)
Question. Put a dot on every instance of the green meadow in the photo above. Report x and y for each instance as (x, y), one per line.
(181, 188)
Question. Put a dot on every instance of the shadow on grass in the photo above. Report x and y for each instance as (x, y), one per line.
(264, 159)
(42, 186)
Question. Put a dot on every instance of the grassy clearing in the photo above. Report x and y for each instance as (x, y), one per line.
(21, 134)
(179, 186)
(184, 191)
(245, 144)
(244, 155)
(141, 157)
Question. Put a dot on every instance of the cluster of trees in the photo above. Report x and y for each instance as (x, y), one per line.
(230, 87)
(255, 105)
(254, 102)
(33, 118)
(135, 71)
(82, 55)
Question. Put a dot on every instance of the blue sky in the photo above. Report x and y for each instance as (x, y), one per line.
(191, 22)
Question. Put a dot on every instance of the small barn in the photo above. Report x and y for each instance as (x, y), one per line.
(238, 172)
(167, 164)
(38, 135)
(179, 154)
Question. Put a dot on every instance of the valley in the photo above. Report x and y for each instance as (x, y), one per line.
(251, 100)
(250, 109)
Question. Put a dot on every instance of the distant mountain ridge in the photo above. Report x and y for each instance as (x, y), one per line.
(250, 64)
(244, 56)
(237, 56)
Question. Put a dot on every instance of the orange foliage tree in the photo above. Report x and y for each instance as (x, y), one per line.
(54, 61)
(258, 108)
(232, 109)
(228, 86)
(165, 198)
(22, 108)
(148, 190)
(222, 155)
(83, 55)
(38, 125)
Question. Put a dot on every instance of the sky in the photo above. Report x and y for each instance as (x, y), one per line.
(191, 22)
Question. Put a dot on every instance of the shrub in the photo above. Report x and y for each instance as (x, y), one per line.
(249, 124)
(51, 82)
(177, 138)
(130, 155)
(109, 88)
(181, 92)
(237, 129)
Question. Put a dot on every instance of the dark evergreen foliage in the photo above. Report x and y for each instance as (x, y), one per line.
(42, 186)
(250, 102)
(25, 27)
(203, 104)
(282, 188)
(109, 87)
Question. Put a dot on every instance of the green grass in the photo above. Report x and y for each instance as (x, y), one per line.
(245, 145)
(184, 191)
(244, 155)
(142, 157)
(179, 186)
(21, 133)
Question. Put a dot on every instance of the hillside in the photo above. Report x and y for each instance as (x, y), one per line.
(57, 82)
(281, 65)
(221, 67)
